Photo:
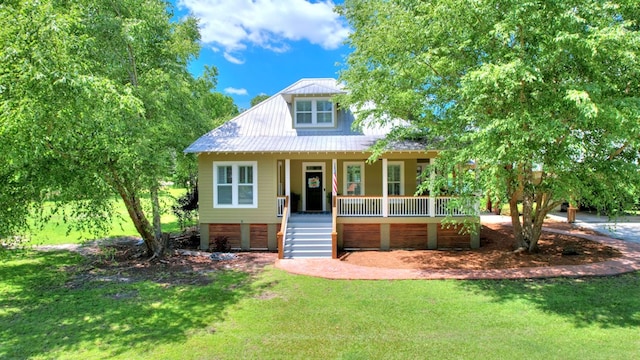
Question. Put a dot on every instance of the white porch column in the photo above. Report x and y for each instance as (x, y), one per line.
(385, 189)
(334, 182)
(432, 198)
(287, 178)
(334, 177)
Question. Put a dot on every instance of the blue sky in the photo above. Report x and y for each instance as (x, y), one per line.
(262, 46)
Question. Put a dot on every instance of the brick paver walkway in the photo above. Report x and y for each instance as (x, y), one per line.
(336, 269)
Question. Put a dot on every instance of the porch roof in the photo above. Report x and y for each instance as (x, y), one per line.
(282, 144)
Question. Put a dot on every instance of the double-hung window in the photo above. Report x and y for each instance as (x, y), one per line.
(395, 178)
(311, 112)
(235, 184)
(354, 178)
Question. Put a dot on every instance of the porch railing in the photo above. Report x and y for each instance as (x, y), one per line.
(359, 206)
(372, 206)
(443, 207)
(280, 201)
(409, 206)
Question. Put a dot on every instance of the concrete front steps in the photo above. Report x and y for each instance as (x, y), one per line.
(308, 236)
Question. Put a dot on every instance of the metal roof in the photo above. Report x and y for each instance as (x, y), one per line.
(314, 89)
(268, 127)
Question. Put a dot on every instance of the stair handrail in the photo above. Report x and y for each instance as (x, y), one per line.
(281, 236)
(334, 227)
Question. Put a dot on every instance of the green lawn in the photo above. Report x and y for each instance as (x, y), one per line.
(50, 309)
(56, 231)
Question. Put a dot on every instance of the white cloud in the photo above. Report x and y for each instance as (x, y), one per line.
(233, 24)
(235, 91)
(232, 59)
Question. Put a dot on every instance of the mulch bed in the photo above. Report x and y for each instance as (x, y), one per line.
(125, 258)
(495, 252)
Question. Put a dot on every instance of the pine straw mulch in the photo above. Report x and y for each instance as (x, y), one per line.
(495, 252)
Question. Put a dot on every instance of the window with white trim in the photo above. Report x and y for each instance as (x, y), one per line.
(311, 112)
(395, 178)
(354, 178)
(235, 184)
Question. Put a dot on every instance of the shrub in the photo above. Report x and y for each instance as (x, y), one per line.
(221, 244)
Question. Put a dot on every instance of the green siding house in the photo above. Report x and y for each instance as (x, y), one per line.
(290, 174)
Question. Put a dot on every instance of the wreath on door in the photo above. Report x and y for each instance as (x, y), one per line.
(313, 183)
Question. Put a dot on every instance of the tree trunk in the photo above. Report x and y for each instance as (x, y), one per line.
(515, 222)
(142, 225)
(512, 185)
(536, 230)
(530, 234)
(536, 204)
(155, 245)
(159, 241)
(528, 212)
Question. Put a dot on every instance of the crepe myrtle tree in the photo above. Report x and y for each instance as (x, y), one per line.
(543, 96)
(95, 101)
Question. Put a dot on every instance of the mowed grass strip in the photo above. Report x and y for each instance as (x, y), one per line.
(48, 311)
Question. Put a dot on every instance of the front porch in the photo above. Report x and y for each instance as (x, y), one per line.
(374, 223)
(354, 220)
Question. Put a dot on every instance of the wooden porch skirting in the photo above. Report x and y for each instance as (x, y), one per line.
(421, 236)
(365, 236)
(245, 236)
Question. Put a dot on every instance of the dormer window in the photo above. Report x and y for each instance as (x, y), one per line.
(311, 112)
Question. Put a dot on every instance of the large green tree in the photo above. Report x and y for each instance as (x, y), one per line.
(544, 96)
(95, 101)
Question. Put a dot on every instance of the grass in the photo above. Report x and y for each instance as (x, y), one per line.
(56, 231)
(50, 309)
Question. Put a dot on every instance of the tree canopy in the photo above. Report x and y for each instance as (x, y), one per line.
(258, 99)
(96, 101)
(543, 96)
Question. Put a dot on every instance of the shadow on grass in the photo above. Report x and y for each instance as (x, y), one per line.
(607, 302)
(42, 315)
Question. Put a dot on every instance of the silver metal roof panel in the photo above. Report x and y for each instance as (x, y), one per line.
(268, 127)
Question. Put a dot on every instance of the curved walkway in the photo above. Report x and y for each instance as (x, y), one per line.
(336, 269)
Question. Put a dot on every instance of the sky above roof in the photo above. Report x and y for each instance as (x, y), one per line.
(263, 46)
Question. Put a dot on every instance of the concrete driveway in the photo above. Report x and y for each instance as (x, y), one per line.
(624, 227)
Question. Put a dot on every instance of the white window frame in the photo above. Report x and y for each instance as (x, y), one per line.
(401, 164)
(346, 165)
(314, 113)
(235, 174)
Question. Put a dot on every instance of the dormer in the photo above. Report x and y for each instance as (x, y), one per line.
(311, 103)
(312, 112)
